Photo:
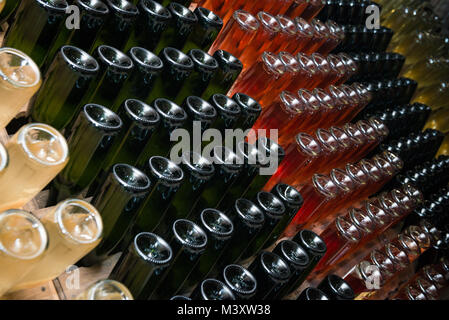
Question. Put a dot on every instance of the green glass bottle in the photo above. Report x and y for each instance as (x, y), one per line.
(219, 230)
(298, 261)
(115, 69)
(197, 172)
(152, 21)
(147, 67)
(272, 155)
(115, 33)
(212, 289)
(227, 168)
(118, 201)
(273, 210)
(166, 178)
(89, 140)
(250, 110)
(143, 264)
(188, 242)
(93, 15)
(228, 112)
(200, 111)
(58, 102)
(177, 69)
(293, 201)
(204, 68)
(248, 220)
(253, 160)
(9, 10)
(181, 25)
(35, 27)
(271, 272)
(229, 68)
(172, 117)
(139, 122)
(205, 31)
(242, 282)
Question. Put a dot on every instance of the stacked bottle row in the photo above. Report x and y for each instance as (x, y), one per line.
(291, 73)
(350, 231)
(120, 24)
(247, 36)
(325, 195)
(364, 39)
(353, 12)
(307, 111)
(328, 149)
(427, 142)
(372, 277)
(427, 284)
(388, 93)
(291, 8)
(112, 76)
(376, 66)
(404, 120)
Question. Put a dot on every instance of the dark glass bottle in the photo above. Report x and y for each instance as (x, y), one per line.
(273, 210)
(272, 155)
(152, 21)
(248, 220)
(122, 16)
(313, 245)
(227, 168)
(252, 162)
(9, 10)
(172, 117)
(188, 242)
(204, 68)
(205, 31)
(166, 178)
(212, 289)
(181, 25)
(117, 200)
(93, 15)
(35, 27)
(228, 112)
(293, 201)
(250, 110)
(115, 69)
(336, 288)
(89, 141)
(139, 122)
(197, 172)
(147, 68)
(229, 68)
(198, 110)
(242, 282)
(177, 69)
(219, 229)
(312, 294)
(57, 102)
(271, 272)
(143, 264)
(298, 261)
